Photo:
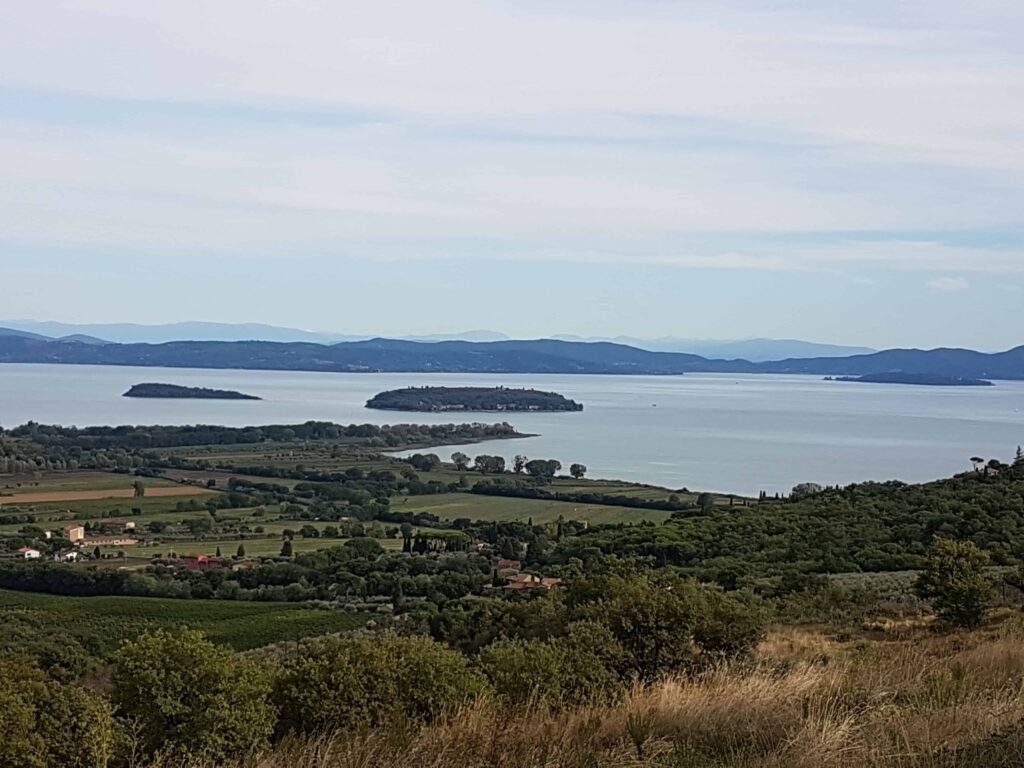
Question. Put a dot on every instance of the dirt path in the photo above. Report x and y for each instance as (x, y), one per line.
(111, 493)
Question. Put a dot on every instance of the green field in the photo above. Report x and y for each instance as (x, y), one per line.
(44, 482)
(451, 506)
(49, 514)
(101, 623)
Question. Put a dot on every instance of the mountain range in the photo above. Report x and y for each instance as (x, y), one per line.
(511, 356)
(754, 350)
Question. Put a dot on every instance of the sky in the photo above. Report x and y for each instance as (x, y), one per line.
(841, 171)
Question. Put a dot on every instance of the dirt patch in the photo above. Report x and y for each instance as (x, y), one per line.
(112, 493)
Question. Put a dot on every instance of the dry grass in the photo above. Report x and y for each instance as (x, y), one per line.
(902, 697)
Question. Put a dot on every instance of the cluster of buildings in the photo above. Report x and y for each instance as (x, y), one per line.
(511, 571)
(75, 533)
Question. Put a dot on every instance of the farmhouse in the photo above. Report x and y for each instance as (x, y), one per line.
(109, 541)
(529, 581)
(28, 553)
(74, 532)
(67, 556)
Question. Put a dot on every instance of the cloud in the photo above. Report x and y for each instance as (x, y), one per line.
(948, 284)
(606, 132)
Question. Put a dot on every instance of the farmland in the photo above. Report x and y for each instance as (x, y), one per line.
(102, 623)
(472, 506)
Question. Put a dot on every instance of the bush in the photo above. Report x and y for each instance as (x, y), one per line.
(666, 624)
(192, 700)
(956, 582)
(572, 670)
(47, 723)
(335, 682)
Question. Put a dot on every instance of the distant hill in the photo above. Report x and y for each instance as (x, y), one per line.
(537, 356)
(961, 363)
(134, 333)
(16, 333)
(754, 350)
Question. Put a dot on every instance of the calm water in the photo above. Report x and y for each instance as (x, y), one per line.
(738, 433)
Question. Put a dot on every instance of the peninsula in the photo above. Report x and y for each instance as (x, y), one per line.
(471, 399)
(921, 379)
(180, 392)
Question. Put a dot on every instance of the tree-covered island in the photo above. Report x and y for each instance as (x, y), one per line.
(921, 379)
(178, 391)
(471, 399)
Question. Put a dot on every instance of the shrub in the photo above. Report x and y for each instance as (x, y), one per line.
(666, 624)
(955, 580)
(338, 682)
(580, 668)
(44, 722)
(192, 700)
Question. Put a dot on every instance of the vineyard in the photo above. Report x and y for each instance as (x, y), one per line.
(100, 624)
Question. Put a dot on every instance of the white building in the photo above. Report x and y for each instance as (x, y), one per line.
(28, 553)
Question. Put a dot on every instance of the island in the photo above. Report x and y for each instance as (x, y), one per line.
(921, 379)
(180, 392)
(471, 399)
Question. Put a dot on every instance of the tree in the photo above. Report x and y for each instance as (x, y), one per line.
(977, 461)
(286, 548)
(543, 468)
(140, 489)
(460, 460)
(803, 490)
(425, 462)
(218, 551)
(1018, 460)
(519, 463)
(194, 702)
(578, 470)
(363, 546)
(955, 580)
(240, 552)
(489, 464)
(706, 502)
(97, 553)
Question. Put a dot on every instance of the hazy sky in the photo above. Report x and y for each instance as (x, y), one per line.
(848, 171)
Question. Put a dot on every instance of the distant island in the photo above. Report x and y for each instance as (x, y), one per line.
(921, 379)
(471, 399)
(194, 393)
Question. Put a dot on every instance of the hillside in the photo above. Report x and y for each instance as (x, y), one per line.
(529, 356)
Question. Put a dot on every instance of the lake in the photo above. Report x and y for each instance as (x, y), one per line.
(720, 432)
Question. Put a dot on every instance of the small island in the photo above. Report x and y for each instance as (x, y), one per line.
(471, 399)
(180, 392)
(921, 379)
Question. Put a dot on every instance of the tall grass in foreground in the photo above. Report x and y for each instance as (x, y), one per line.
(903, 697)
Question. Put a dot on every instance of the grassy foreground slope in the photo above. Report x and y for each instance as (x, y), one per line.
(900, 698)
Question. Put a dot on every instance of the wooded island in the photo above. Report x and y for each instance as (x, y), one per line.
(178, 391)
(921, 379)
(471, 399)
